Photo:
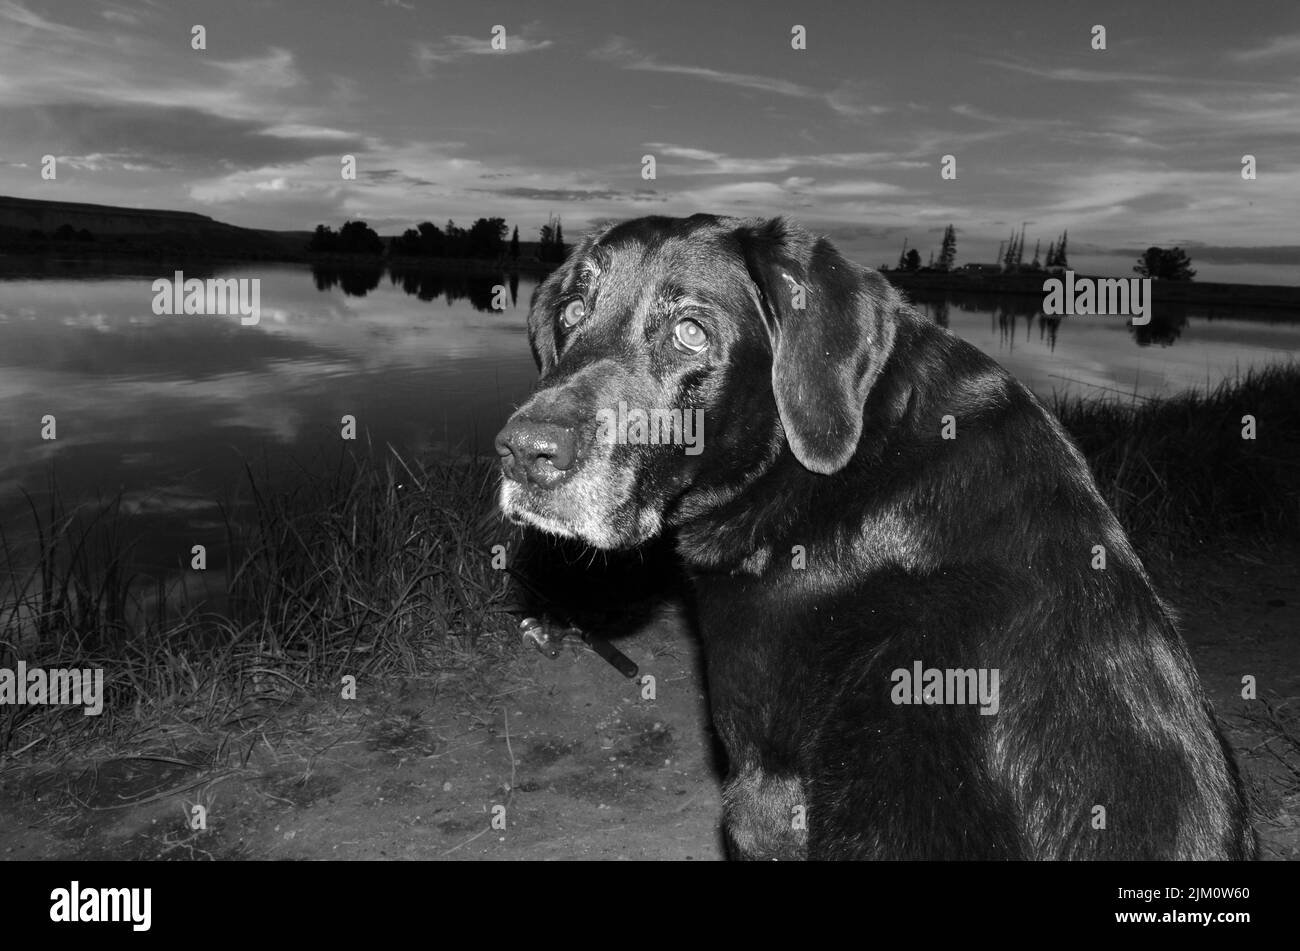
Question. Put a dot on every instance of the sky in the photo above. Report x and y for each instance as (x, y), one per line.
(1135, 145)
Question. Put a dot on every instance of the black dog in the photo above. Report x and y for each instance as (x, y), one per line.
(926, 634)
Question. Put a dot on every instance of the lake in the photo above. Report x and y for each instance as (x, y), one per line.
(167, 410)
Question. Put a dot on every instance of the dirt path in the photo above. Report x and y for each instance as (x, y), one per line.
(584, 766)
(1240, 615)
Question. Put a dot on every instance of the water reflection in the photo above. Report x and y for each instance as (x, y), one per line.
(1166, 326)
(1008, 311)
(1184, 346)
(426, 284)
(167, 410)
(355, 280)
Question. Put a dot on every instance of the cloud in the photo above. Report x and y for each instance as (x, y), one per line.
(1130, 197)
(1160, 74)
(160, 136)
(456, 47)
(229, 197)
(617, 52)
(103, 161)
(842, 189)
(572, 194)
(404, 182)
(42, 62)
(1121, 150)
(18, 16)
(1077, 75)
(846, 233)
(1283, 255)
(1287, 45)
(857, 99)
(275, 70)
(737, 195)
(1260, 111)
(297, 130)
(706, 162)
(117, 13)
(392, 176)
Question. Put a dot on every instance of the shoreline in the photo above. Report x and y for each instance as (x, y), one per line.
(1281, 296)
(1203, 293)
(18, 262)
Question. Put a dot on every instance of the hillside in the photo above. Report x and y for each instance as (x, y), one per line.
(32, 226)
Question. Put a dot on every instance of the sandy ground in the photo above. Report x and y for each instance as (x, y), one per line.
(569, 755)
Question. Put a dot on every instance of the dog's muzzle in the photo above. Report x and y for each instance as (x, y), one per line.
(536, 453)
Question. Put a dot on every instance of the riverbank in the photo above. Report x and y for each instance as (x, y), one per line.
(378, 565)
(370, 607)
(35, 230)
(575, 760)
(1215, 296)
(151, 260)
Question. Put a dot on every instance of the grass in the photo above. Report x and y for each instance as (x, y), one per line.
(384, 568)
(1179, 473)
(380, 568)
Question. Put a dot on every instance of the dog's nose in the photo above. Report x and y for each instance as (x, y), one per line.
(537, 452)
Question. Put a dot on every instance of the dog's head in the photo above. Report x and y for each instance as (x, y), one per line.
(680, 358)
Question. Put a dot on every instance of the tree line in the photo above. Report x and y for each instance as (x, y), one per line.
(64, 232)
(485, 239)
(1158, 263)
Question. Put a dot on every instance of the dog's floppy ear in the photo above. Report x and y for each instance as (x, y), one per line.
(832, 330)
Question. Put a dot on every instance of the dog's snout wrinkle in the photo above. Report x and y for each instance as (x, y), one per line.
(536, 451)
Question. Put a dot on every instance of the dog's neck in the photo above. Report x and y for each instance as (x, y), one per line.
(782, 508)
(785, 508)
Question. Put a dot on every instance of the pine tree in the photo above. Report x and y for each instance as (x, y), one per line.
(1061, 259)
(1051, 255)
(514, 245)
(948, 253)
(902, 257)
(551, 245)
(1036, 266)
(1009, 261)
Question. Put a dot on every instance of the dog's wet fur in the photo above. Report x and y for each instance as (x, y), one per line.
(833, 535)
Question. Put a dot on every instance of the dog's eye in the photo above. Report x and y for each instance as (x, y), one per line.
(574, 311)
(689, 336)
